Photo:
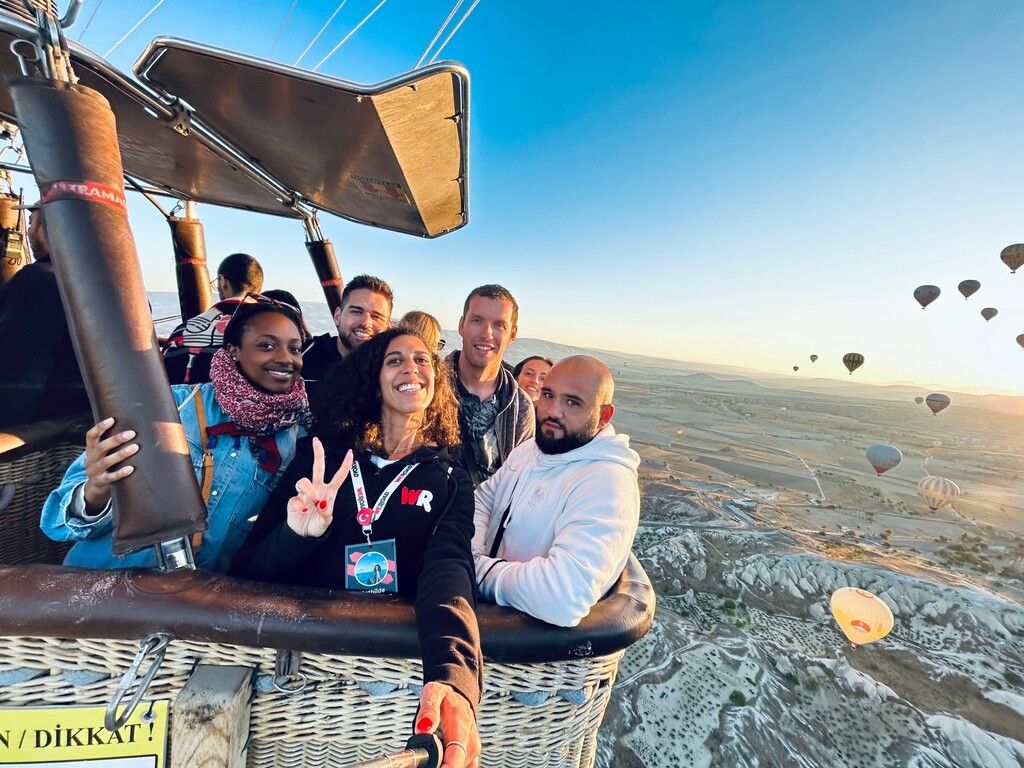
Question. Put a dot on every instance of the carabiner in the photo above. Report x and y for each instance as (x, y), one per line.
(154, 644)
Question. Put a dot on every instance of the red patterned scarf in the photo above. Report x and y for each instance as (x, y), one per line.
(253, 411)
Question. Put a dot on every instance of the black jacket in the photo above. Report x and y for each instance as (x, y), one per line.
(433, 552)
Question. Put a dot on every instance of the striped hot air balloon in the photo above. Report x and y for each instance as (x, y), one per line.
(1013, 256)
(968, 288)
(937, 491)
(926, 294)
(853, 361)
(936, 401)
(863, 617)
(883, 457)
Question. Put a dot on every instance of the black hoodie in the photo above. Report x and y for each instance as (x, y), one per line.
(433, 552)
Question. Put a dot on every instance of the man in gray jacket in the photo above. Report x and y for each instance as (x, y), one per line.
(495, 415)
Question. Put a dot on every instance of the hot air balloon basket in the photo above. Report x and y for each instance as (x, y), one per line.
(351, 708)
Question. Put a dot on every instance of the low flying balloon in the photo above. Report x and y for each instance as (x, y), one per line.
(926, 294)
(968, 288)
(937, 402)
(918, 399)
(989, 312)
(1013, 256)
(936, 443)
(937, 491)
(883, 457)
(796, 368)
(679, 432)
(853, 361)
(863, 617)
(814, 358)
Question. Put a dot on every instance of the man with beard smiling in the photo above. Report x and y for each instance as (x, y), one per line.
(365, 311)
(555, 524)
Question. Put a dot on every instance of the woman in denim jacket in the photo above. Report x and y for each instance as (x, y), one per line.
(253, 409)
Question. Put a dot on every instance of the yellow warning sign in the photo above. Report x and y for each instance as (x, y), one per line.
(74, 737)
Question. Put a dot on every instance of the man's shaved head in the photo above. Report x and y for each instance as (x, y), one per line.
(575, 403)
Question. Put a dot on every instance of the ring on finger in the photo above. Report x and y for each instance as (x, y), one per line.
(458, 744)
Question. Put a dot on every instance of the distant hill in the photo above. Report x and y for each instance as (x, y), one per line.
(696, 375)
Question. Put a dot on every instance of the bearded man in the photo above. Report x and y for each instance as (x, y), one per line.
(555, 523)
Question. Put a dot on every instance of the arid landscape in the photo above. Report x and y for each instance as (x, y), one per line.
(758, 503)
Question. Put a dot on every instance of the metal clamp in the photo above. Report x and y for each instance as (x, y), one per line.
(287, 678)
(155, 645)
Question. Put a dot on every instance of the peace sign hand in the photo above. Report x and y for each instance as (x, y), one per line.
(311, 509)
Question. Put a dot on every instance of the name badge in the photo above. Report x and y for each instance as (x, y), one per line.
(371, 567)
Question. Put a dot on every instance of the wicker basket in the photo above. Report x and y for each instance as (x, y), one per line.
(353, 708)
(25, 482)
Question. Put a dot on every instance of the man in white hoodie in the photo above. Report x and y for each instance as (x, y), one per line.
(555, 523)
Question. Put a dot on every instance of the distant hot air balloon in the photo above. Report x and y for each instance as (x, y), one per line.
(814, 358)
(1020, 339)
(937, 402)
(862, 616)
(1013, 256)
(919, 400)
(989, 312)
(968, 288)
(679, 432)
(936, 443)
(926, 294)
(883, 457)
(937, 491)
(783, 409)
(853, 361)
(796, 368)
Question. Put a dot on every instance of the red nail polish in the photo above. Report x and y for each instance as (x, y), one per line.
(424, 725)
(322, 504)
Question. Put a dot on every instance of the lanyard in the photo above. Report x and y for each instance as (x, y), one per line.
(367, 515)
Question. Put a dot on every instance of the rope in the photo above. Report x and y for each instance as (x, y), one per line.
(91, 17)
(451, 15)
(346, 37)
(137, 25)
(317, 35)
(448, 39)
(284, 24)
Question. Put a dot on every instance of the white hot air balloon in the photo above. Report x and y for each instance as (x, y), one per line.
(883, 457)
(863, 617)
(937, 491)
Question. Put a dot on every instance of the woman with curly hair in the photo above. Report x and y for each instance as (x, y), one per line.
(374, 503)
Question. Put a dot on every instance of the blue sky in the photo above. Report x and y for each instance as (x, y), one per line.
(740, 183)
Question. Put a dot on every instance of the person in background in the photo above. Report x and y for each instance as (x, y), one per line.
(427, 327)
(255, 407)
(555, 524)
(365, 311)
(530, 375)
(40, 377)
(380, 507)
(286, 297)
(192, 345)
(495, 415)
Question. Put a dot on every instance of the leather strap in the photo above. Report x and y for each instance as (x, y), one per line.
(207, 477)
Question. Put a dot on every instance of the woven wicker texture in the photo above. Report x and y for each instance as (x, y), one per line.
(352, 708)
(25, 483)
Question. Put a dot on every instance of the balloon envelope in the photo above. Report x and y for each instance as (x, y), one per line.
(968, 287)
(989, 312)
(1013, 256)
(863, 617)
(853, 361)
(918, 399)
(814, 358)
(937, 402)
(883, 457)
(1020, 339)
(926, 294)
(796, 368)
(937, 491)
